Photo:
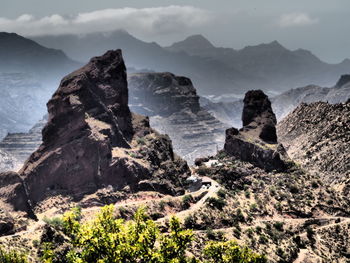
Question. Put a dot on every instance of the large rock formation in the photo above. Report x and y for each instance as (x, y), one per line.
(317, 135)
(258, 117)
(92, 140)
(257, 142)
(173, 106)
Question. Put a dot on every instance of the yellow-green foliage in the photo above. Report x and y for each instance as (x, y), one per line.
(230, 252)
(109, 240)
(11, 257)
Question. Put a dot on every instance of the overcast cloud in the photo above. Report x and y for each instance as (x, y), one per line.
(142, 21)
(296, 19)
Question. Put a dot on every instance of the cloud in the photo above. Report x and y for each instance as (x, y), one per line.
(296, 19)
(144, 21)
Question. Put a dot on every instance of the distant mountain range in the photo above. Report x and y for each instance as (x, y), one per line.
(31, 69)
(19, 54)
(214, 70)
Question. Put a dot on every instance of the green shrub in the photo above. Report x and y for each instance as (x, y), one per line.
(230, 252)
(141, 141)
(107, 239)
(186, 201)
(214, 202)
(12, 256)
(215, 235)
(263, 239)
(278, 226)
(55, 222)
(222, 193)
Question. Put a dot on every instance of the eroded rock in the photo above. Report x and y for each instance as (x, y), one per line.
(257, 142)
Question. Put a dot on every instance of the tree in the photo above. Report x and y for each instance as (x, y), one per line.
(107, 239)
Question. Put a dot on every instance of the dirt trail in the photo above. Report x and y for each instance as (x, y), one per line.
(212, 191)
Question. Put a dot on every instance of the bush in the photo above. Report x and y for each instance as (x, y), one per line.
(222, 193)
(190, 222)
(218, 203)
(239, 216)
(12, 256)
(229, 252)
(212, 235)
(278, 226)
(55, 222)
(186, 201)
(107, 239)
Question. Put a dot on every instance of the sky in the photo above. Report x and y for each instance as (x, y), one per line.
(321, 26)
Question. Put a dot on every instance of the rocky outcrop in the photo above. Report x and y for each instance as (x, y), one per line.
(7, 223)
(162, 93)
(173, 106)
(13, 192)
(317, 135)
(92, 140)
(257, 142)
(258, 117)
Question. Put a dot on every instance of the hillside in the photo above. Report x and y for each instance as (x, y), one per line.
(288, 101)
(317, 136)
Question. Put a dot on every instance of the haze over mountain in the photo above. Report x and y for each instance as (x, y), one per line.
(214, 70)
(29, 74)
(19, 54)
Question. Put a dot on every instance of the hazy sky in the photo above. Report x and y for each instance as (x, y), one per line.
(321, 26)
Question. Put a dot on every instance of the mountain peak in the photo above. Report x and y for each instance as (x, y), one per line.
(344, 79)
(275, 44)
(193, 42)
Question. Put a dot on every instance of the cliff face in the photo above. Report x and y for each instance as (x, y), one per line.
(257, 142)
(317, 135)
(173, 106)
(92, 140)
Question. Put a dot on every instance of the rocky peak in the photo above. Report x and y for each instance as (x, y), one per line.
(258, 116)
(98, 92)
(193, 42)
(344, 79)
(92, 141)
(256, 142)
(163, 93)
